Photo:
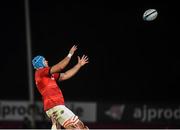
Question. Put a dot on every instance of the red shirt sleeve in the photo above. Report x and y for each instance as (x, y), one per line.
(45, 72)
(56, 76)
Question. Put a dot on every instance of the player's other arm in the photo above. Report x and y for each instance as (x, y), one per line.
(71, 72)
(63, 63)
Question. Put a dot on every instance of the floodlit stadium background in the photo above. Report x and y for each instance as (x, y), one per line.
(133, 76)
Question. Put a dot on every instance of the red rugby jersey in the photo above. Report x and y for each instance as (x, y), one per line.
(48, 88)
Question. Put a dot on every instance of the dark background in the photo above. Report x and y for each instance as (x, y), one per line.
(130, 59)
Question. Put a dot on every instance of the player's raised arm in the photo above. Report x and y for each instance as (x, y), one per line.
(63, 63)
(71, 72)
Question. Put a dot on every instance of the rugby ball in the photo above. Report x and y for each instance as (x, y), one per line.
(150, 15)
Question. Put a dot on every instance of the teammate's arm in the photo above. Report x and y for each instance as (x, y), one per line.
(63, 63)
(71, 72)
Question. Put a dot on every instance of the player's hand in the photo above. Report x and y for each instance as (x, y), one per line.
(73, 49)
(83, 60)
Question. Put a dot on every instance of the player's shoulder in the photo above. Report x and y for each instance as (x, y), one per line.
(43, 70)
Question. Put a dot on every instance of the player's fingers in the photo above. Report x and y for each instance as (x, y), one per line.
(85, 56)
(86, 59)
(78, 58)
(75, 46)
(86, 62)
(82, 57)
